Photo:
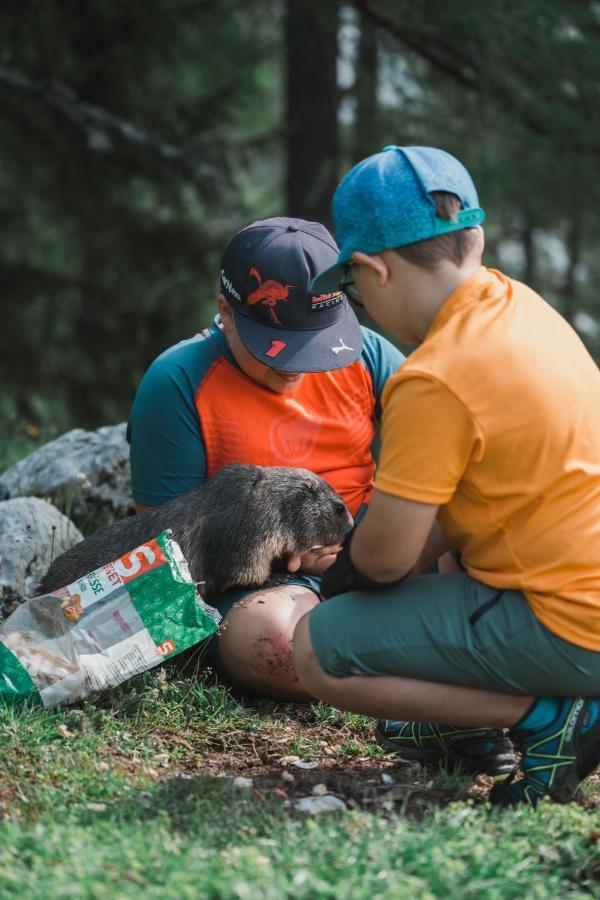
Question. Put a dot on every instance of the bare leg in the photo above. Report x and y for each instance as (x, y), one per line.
(396, 697)
(256, 641)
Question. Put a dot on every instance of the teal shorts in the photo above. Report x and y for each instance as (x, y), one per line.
(453, 630)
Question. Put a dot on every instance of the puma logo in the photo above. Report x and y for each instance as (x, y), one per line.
(342, 346)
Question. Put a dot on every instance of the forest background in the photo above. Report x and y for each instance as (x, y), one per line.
(137, 138)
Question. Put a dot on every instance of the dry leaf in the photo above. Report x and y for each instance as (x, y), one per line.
(62, 729)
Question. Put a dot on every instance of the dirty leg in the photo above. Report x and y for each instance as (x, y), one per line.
(256, 641)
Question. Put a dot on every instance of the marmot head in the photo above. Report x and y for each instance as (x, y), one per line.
(312, 513)
(262, 516)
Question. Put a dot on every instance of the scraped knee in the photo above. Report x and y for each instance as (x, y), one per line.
(256, 641)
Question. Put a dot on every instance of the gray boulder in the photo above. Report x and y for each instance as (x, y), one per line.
(84, 473)
(27, 526)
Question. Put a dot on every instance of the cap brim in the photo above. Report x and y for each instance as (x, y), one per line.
(316, 350)
(329, 280)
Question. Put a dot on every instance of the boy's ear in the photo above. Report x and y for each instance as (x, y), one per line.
(225, 312)
(376, 262)
(481, 239)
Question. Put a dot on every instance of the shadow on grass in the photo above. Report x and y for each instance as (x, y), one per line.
(191, 804)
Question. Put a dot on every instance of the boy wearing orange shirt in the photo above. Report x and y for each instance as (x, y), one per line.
(491, 447)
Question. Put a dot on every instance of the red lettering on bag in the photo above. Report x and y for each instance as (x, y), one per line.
(143, 559)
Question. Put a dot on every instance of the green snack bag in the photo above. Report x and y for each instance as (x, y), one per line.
(120, 620)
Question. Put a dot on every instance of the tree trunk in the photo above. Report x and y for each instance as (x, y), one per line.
(365, 91)
(311, 28)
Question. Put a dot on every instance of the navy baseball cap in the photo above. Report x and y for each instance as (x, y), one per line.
(385, 202)
(266, 274)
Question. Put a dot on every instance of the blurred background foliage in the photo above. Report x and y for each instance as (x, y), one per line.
(136, 138)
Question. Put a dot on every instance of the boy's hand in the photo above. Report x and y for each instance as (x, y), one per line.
(315, 562)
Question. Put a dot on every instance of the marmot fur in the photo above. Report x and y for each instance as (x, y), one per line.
(239, 526)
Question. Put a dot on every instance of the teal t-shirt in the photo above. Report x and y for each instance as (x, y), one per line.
(169, 452)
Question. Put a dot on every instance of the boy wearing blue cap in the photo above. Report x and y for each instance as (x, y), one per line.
(490, 440)
(286, 376)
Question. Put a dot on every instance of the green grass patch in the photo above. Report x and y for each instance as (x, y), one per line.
(132, 795)
(202, 838)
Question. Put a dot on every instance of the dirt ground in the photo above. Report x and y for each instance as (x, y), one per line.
(361, 781)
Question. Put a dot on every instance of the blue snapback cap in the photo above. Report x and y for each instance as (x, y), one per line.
(385, 202)
(266, 276)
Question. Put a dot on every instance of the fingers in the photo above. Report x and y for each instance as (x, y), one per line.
(294, 563)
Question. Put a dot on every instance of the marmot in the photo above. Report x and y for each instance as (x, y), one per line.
(239, 526)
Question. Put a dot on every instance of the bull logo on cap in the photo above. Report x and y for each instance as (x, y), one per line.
(269, 293)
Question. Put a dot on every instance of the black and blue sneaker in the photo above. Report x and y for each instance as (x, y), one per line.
(560, 742)
(475, 751)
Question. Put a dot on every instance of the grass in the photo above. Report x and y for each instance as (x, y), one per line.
(209, 841)
(132, 795)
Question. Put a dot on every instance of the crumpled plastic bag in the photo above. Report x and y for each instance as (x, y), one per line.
(114, 623)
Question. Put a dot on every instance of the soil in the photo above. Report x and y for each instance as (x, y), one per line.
(362, 782)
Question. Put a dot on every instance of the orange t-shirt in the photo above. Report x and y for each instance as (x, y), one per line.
(496, 419)
(325, 425)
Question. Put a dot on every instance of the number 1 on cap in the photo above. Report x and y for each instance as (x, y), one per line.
(275, 348)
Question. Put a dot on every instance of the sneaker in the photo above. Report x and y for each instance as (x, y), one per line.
(556, 758)
(474, 750)
(511, 792)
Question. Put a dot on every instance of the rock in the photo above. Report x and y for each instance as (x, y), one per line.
(287, 776)
(84, 472)
(95, 807)
(319, 790)
(26, 529)
(303, 764)
(241, 782)
(314, 806)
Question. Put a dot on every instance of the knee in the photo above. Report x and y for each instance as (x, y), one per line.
(256, 643)
(308, 670)
(269, 648)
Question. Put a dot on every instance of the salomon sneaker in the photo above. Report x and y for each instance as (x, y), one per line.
(557, 755)
(474, 750)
